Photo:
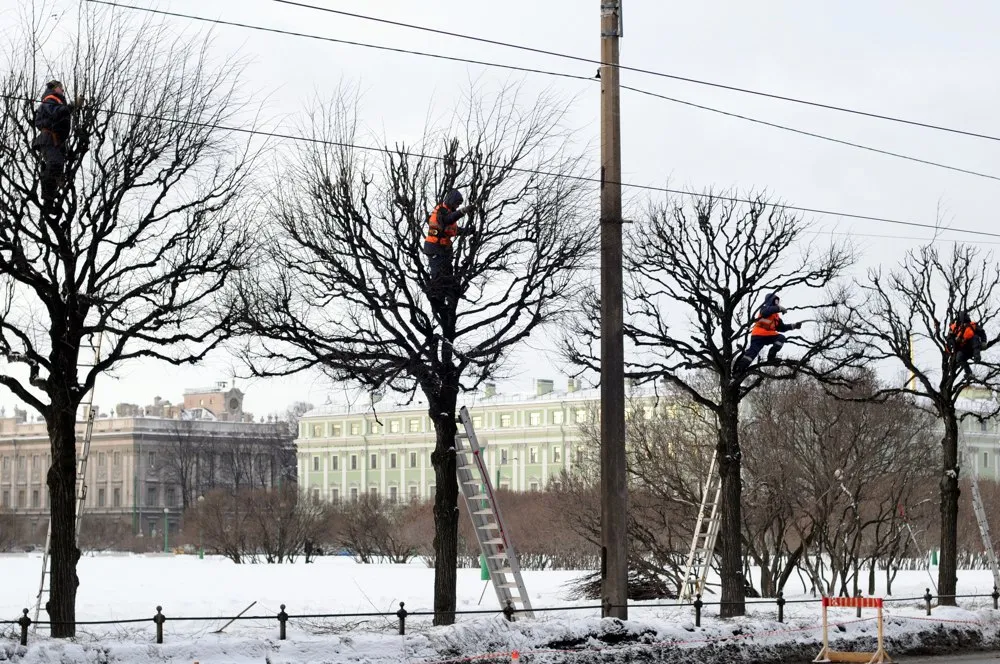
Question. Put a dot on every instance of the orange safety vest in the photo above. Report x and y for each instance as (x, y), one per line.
(435, 233)
(766, 326)
(963, 333)
(52, 134)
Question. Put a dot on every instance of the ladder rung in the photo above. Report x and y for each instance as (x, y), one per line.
(507, 585)
(489, 526)
(494, 541)
(473, 481)
(482, 512)
(479, 496)
(505, 570)
(498, 556)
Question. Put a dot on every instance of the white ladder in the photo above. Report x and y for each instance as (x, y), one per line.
(984, 525)
(706, 532)
(81, 480)
(481, 503)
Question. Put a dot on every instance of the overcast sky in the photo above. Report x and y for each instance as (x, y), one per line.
(924, 61)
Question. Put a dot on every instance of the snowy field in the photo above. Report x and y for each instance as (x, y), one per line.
(131, 586)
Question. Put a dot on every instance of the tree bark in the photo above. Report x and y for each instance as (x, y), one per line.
(732, 489)
(63, 551)
(947, 571)
(442, 413)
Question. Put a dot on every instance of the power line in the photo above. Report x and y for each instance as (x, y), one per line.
(530, 171)
(438, 56)
(639, 70)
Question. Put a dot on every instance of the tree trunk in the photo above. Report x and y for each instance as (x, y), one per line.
(947, 571)
(442, 413)
(64, 553)
(731, 567)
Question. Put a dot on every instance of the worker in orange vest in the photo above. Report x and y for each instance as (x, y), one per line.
(53, 119)
(767, 329)
(966, 339)
(442, 230)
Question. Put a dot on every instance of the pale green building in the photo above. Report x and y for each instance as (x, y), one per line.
(530, 440)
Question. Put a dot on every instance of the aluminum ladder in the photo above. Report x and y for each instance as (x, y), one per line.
(82, 457)
(984, 525)
(481, 504)
(706, 532)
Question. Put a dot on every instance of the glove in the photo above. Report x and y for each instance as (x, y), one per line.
(783, 310)
(468, 208)
(79, 101)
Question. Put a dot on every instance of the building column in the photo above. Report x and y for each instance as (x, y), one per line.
(383, 458)
(544, 449)
(325, 491)
(423, 473)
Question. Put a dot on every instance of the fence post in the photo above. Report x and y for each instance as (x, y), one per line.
(927, 598)
(781, 607)
(24, 621)
(697, 610)
(282, 620)
(401, 614)
(858, 594)
(508, 612)
(995, 596)
(159, 619)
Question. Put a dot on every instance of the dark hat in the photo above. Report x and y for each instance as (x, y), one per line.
(53, 84)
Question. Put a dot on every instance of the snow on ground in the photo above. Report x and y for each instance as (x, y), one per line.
(131, 586)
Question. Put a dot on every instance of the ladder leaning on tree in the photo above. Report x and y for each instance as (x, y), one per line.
(81, 480)
(481, 504)
(706, 532)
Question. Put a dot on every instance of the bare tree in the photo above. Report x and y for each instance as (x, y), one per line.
(710, 263)
(907, 315)
(146, 229)
(347, 287)
(181, 454)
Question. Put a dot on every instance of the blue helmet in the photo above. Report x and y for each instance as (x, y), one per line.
(453, 198)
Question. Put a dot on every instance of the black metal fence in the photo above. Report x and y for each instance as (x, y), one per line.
(509, 612)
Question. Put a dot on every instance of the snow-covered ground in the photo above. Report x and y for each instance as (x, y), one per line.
(127, 586)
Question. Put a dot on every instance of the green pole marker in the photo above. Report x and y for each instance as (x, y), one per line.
(484, 571)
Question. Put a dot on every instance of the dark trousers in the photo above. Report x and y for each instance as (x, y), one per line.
(757, 343)
(442, 281)
(970, 350)
(52, 163)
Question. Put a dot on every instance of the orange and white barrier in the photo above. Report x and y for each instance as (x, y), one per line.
(880, 656)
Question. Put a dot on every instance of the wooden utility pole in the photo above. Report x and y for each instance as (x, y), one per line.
(614, 492)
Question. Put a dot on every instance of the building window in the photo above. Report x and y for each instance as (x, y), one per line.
(355, 428)
(317, 430)
(101, 461)
(20, 464)
(117, 459)
(557, 417)
(579, 455)
(116, 496)
(21, 500)
(986, 459)
(982, 426)
(335, 462)
(315, 463)
(102, 497)
(354, 494)
(477, 421)
(413, 459)
(532, 455)
(581, 415)
(151, 496)
(336, 430)
(505, 486)
(36, 499)
(394, 426)
(6, 463)
(374, 462)
(503, 457)
(315, 496)
(374, 427)
(413, 425)
(430, 490)
(534, 419)
(335, 495)
(533, 486)
(556, 485)
(392, 460)
(414, 492)
(392, 494)
(35, 464)
(556, 455)
(354, 462)
(373, 492)
(171, 497)
(505, 420)
(5, 500)
(152, 459)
